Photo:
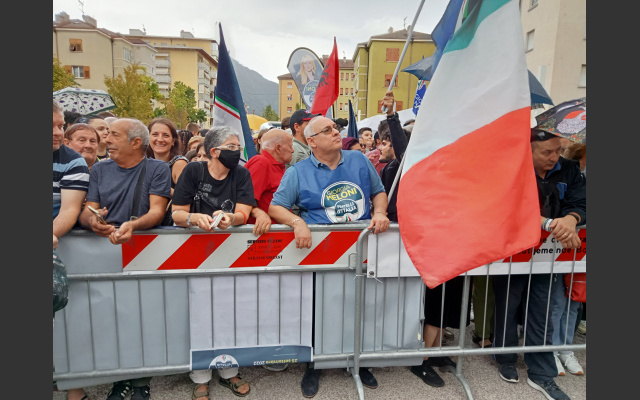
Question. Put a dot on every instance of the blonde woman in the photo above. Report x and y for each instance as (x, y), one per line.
(307, 71)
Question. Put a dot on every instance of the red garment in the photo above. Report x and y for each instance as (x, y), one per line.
(376, 159)
(266, 174)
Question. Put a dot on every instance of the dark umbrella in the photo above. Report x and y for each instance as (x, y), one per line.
(538, 94)
(568, 119)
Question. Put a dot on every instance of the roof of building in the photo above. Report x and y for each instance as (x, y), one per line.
(82, 25)
(198, 49)
(400, 35)
(285, 76)
(343, 62)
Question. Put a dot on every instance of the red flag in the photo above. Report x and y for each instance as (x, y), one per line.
(328, 87)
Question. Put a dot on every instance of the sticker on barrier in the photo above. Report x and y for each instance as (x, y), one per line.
(388, 258)
(249, 356)
(150, 252)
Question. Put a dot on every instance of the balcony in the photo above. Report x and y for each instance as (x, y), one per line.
(163, 79)
(203, 81)
(203, 66)
(163, 63)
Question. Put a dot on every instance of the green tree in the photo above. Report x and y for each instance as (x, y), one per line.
(132, 93)
(297, 106)
(269, 114)
(62, 78)
(198, 115)
(180, 104)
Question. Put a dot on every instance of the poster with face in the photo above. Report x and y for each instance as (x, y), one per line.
(305, 68)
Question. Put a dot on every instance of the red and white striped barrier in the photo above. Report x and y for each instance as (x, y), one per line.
(150, 252)
(388, 258)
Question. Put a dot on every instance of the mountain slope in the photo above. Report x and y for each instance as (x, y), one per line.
(257, 92)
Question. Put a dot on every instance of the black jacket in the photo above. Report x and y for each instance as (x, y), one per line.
(563, 190)
(388, 173)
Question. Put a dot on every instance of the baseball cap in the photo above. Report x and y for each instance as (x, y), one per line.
(299, 116)
(265, 125)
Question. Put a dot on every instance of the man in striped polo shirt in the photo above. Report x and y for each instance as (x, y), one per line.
(70, 180)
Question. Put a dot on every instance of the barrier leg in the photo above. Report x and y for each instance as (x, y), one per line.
(359, 279)
(463, 324)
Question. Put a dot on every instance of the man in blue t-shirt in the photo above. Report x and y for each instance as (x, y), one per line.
(70, 180)
(132, 190)
(331, 186)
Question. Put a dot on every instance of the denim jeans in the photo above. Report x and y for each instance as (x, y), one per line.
(559, 313)
(542, 365)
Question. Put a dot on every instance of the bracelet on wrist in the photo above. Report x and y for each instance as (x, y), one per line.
(295, 220)
(189, 219)
(576, 217)
(233, 219)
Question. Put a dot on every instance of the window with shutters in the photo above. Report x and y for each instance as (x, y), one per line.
(341, 92)
(289, 110)
(393, 54)
(289, 97)
(387, 81)
(75, 45)
(353, 76)
(341, 76)
(289, 85)
(80, 71)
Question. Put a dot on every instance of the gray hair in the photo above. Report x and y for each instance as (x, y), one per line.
(216, 136)
(307, 129)
(56, 107)
(137, 130)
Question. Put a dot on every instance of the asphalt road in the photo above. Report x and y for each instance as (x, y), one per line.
(394, 383)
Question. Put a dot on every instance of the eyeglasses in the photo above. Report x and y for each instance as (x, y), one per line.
(328, 130)
(231, 147)
(82, 120)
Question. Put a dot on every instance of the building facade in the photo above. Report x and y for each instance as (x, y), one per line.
(91, 53)
(288, 96)
(374, 63)
(192, 61)
(555, 35)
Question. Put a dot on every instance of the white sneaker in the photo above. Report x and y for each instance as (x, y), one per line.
(559, 366)
(571, 363)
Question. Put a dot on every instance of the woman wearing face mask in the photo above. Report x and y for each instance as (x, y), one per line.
(225, 186)
(206, 189)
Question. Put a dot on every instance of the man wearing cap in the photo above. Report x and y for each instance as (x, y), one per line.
(330, 186)
(562, 197)
(298, 122)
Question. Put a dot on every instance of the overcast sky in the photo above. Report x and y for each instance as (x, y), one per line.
(260, 34)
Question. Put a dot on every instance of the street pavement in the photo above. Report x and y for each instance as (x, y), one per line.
(398, 383)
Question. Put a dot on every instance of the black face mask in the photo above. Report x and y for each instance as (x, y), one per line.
(229, 159)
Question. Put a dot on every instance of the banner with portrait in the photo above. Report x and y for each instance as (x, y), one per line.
(305, 68)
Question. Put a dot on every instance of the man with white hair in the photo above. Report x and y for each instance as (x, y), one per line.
(131, 193)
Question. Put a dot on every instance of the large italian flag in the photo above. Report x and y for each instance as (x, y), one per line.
(468, 195)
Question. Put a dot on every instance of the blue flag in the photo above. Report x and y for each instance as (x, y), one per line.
(420, 89)
(228, 107)
(353, 125)
(443, 32)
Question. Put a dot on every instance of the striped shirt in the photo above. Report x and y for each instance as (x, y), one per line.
(70, 171)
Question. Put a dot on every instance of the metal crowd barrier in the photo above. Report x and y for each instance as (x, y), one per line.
(130, 312)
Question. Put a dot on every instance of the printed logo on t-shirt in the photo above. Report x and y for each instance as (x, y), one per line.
(343, 202)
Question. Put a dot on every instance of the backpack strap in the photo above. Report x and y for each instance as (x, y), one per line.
(137, 193)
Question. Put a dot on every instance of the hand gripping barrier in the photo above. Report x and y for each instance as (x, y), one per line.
(146, 307)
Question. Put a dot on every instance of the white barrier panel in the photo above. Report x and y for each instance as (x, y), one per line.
(387, 257)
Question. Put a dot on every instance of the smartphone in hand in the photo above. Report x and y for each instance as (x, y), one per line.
(217, 219)
(98, 215)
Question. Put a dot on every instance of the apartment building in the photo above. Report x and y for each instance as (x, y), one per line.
(187, 59)
(288, 96)
(374, 63)
(555, 35)
(91, 53)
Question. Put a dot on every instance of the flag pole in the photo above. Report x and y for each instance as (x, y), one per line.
(404, 50)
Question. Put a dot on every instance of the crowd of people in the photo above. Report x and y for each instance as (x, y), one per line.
(113, 176)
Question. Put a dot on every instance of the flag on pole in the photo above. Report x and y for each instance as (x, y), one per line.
(468, 192)
(352, 130)
(328, 87)
(228, 107)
